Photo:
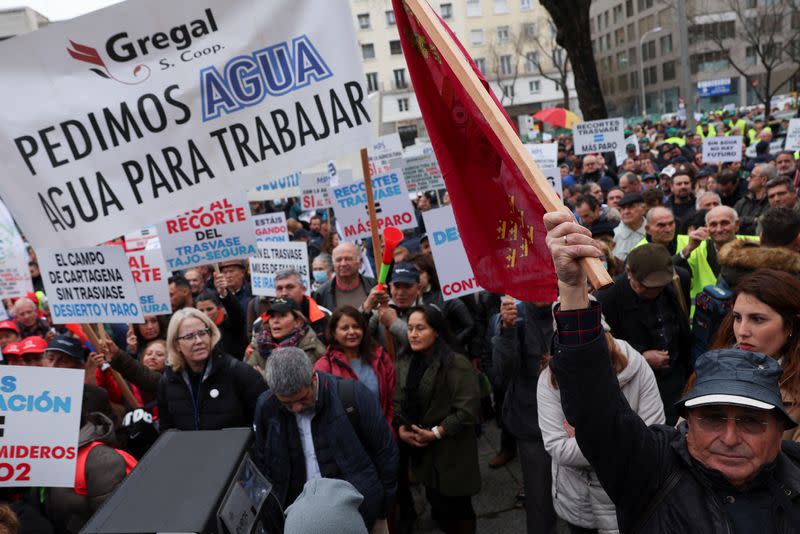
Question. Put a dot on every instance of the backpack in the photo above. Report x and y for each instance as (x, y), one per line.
(711, 306)
(347, 394)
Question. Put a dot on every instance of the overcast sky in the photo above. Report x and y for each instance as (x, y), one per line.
(59, 9)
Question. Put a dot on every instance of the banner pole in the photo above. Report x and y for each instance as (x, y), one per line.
(373, 226)
(125, 390)
(424, 14)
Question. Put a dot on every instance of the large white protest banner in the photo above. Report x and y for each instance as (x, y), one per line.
(605, 135)
(40, 418)
(150, 274)
(722, 149)
(422, 173)
(793, 135)
(219, 231)
(153, 107)
(276, 188)
(452, 266)
(15, 276)
(271, 227)
(545, 154)
(89, 285)
(270, 259)
(392, 206)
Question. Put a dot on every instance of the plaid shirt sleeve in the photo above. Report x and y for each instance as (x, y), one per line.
(576, 327)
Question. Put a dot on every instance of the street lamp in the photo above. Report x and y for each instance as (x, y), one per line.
(641, 64)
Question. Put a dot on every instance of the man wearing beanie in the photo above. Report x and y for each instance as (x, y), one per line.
(326, 505)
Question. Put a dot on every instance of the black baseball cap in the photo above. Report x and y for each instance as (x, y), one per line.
(405, 273)
(282, 305)
(67, 345)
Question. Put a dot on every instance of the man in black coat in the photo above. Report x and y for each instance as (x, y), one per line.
(645, 308)
(724, 470)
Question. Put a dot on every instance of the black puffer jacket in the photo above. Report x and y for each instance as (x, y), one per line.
(227, 396)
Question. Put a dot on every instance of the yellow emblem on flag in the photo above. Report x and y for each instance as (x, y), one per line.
(517, 234)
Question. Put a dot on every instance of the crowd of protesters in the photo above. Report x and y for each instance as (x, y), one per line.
(361, 395)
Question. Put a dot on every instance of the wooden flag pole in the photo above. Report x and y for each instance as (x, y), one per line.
(511, 142)
(373, 226)
(127, 394)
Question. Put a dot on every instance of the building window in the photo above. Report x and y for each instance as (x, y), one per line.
(508, 91)
(368, 51)
(480, 63)
(634, 80)
(534, 87)
(503, 35)
(395, 48)
(622, 82)
(649, 50)
(372, 82)
(400, 78)
(712, 31)
(476, 37)
(505, 65)
(531, 61)
(525, 5)
(628, 8)
(650, 75)
(622, 60)
(631, 32)
(617, 13)
(390, 18)
(631, 56)
(668, 70)
(529, 31)
(619, 37)
(402, 104)
(644, 4)
(474, 8)
(500, 6)
(666, 44)
(708, 61)
(363, 21)
(446, 10)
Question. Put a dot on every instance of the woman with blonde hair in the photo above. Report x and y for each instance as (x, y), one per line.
(202, 388)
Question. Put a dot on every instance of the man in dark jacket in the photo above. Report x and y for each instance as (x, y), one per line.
(755, 202)
(645, 308)
(304, 431)
(724, 470)
(347, 287)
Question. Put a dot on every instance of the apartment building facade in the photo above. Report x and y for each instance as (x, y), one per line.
(20, 20)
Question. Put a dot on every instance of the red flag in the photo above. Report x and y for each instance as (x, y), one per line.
(498, 215)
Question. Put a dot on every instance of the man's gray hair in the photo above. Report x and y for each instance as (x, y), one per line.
(286, 273)
(325, 259)
(768, 170)
(288, 370)
(704, 195)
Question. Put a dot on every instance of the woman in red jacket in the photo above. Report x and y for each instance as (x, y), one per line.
(353, 354)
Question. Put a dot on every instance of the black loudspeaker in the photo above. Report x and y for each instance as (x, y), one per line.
(202, 482)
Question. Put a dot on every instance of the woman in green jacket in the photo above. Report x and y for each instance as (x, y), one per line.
(436, 409)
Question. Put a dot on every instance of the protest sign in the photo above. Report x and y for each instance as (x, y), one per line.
(89, 285)
(222, 230)
(622, 152)
(422, 173)
(276, 188)
(774, 147)
(382, 152)
(271, 227)
(156, 107)
(40, 418)
(271, 258)
(553, 176)
(793, 135)
(605, 135)
(452, 265)
(140, 239)
(545, 154)
(392, 206)
(314, 190)
(151, 275)
(15, 276)
(722, 149)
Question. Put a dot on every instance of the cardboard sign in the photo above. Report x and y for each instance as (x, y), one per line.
(153, 107)
(89, 285)
(392, 206)
(276, 188)
(422, 173)
(793, 135)
(381, 154)
(605, 135)
(722, 149)
(553, 176)
(272, 258)
(40, 410)
(15, 276)
(151, 277)
(222, 230)
(545, 154)
(452, 266)
(271, 227)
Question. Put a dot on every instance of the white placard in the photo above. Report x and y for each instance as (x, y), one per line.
(793, 135)
(605, 135)
(622, 153)
(276, 188)
(553, 176)
(545, 154)
(452, 266)
(15, 276)
(151, 277)
(381, 154)
(392, 206)
(774, 147)
(40, 409)
(89, 285)
(422, 173)
(722, 149)
(153, 107)
(219, 231)
(140, 239)
(314, 191)
(271, 258)
(271, 227)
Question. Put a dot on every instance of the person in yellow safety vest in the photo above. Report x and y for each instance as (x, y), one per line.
(705, 130)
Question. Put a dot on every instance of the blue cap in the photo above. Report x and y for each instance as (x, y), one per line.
(405, 273)
(737, 377)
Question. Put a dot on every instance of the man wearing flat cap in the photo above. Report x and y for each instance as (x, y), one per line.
(631, 228)
(723, 470)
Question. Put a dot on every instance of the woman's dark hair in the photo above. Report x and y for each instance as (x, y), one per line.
(424, 264)
(209, 295)
(434, 316)
(367, 345)
(327, 243)
(163, 324)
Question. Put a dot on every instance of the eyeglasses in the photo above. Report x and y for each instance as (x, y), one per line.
(205, 332)
(746, 424)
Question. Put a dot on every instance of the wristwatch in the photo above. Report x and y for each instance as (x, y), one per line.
(436, 432)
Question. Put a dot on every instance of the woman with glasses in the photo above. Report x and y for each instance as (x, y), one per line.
(202, 388)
